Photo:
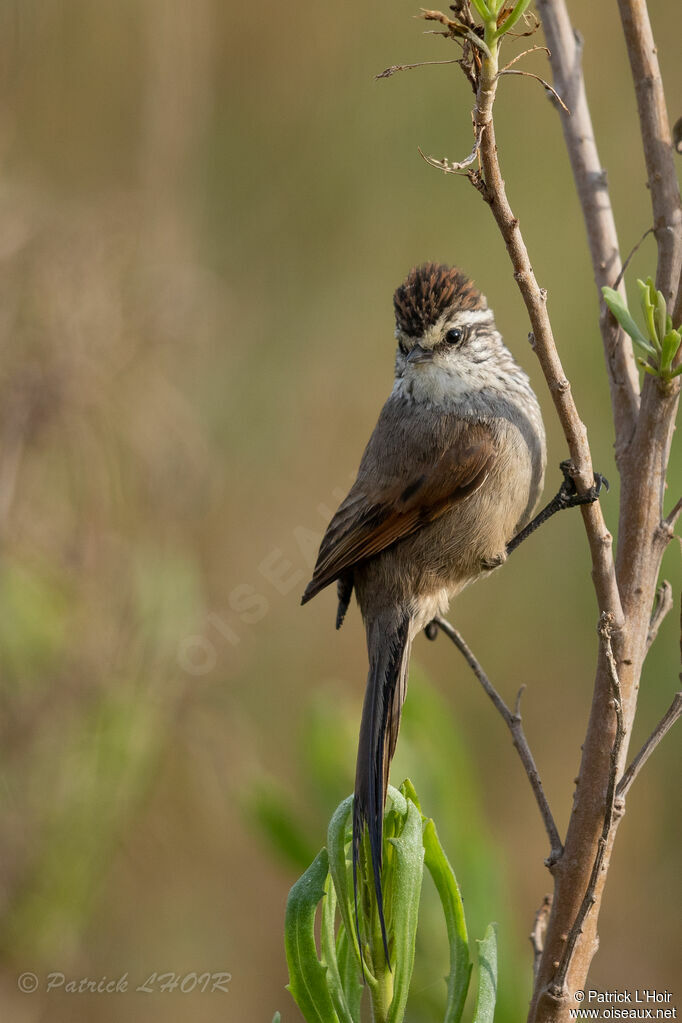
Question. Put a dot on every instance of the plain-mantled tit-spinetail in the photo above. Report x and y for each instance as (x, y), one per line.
(452, 471)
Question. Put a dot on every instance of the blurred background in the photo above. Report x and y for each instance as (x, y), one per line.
(204, 211)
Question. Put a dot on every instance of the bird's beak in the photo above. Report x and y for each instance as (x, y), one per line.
(419, 354)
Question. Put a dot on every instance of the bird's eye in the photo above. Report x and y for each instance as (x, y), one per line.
(454, 335)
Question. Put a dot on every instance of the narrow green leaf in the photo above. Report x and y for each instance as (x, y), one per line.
(647, 368)
(405, 894)
(648, 299)
(351, 978)
(398, 800)
(408, 790)
(277, 1018)
(307, 975)
(661, 316)
(509, 22)
(618, 307)
(446, 885)
(482, 9)
(328, 943)
(669, 349)
(676, 372)
(338, 868)
(487, 977)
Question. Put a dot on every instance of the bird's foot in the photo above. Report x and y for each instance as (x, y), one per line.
(568, 497)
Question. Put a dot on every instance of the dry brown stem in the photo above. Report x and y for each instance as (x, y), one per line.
(660, 731)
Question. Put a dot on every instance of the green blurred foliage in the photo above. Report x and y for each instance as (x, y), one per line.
(205, 209)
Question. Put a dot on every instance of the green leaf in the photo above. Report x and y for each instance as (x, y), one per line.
(338, 868)
(351, 978)
(277, 1018)
(618, 307)
(446, 885)
(487, 977)
(669, 349)
(307, 975)
(661, 316)
(647, 368)
(328, 943)
(512, 18)
(482, 9)
(648, 302)
(408, 790)
(398, 800)
(406, 885)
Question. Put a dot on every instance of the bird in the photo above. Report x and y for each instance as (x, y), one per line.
(452, 472)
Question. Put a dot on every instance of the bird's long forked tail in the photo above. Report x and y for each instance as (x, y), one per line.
(389, 646)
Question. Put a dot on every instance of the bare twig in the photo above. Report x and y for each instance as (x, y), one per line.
(537, 935)
(550, 88)
(670, 520)
(557, 987)
(633, 250)
(449, 167)
(520, 56)
(657, 143)
(394, 68)
(662, 728)
(513, 722)
(455, 29)
(590, 180)
(664, 604)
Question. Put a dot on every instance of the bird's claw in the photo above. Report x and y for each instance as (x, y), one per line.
(568, 494)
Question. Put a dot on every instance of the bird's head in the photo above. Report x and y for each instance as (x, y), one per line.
(443, 323)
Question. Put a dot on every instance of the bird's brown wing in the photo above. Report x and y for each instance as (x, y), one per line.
(401, 490)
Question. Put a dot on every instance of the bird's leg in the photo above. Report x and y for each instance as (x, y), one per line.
(568, 497)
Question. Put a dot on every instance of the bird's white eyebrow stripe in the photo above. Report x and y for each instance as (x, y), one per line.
(467, 317)
(460, 317)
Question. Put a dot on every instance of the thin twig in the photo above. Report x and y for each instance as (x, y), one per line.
(664, 604)
(670, 520)
(456, 29)
(557, 986)
(662, 728)
(529, 74)
(513, 722)
(537, 935)
(446, 165)
(619, 278)
(410, 67)
(519, 56)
